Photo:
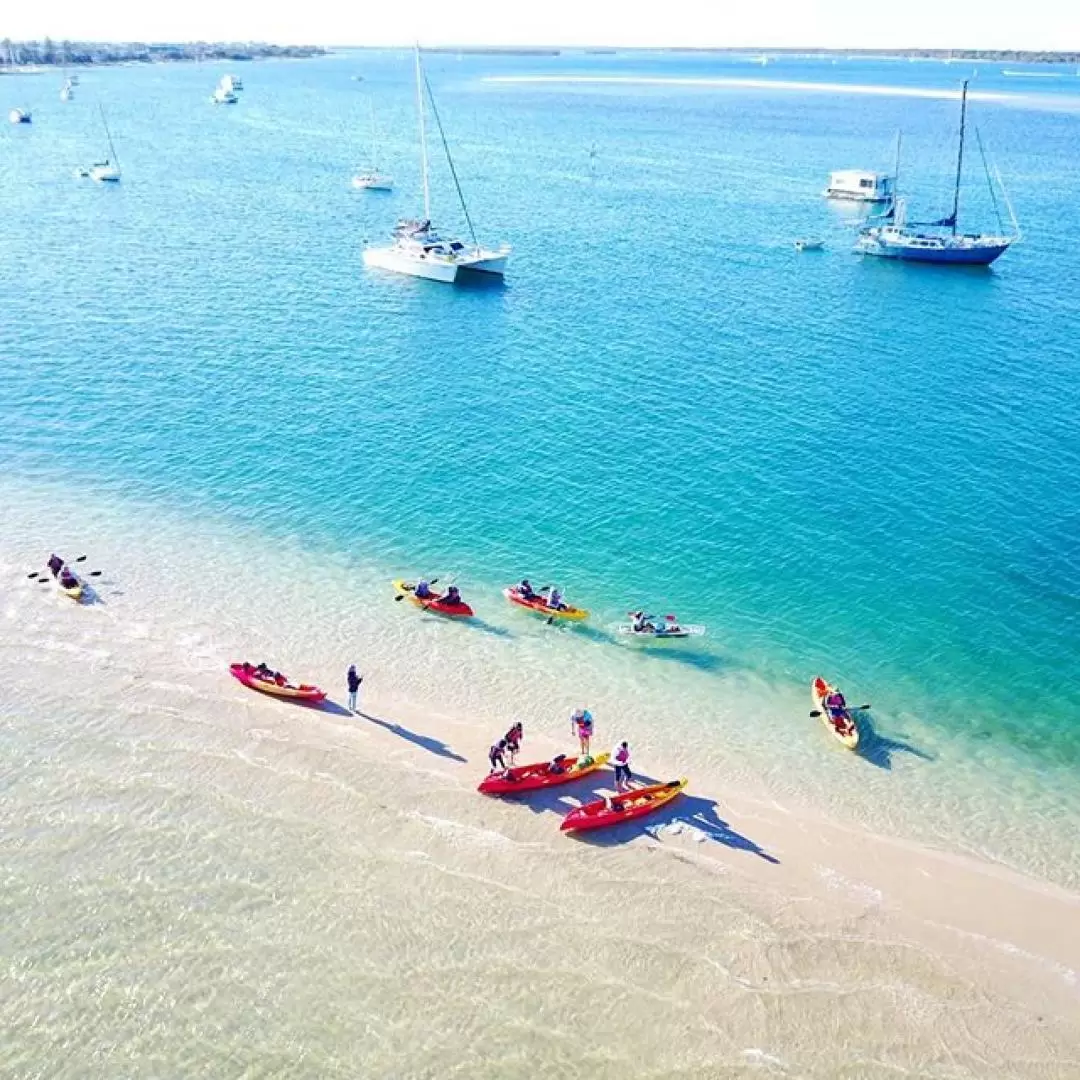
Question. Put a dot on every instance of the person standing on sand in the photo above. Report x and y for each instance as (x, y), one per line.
(623, 776)
(581, 725)
(354, 680)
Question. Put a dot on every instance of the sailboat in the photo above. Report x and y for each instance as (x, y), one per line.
(107, 171)
(892, 237)
(371, 179)
(416, 248)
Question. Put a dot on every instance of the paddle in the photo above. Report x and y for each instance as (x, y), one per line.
(401, 596)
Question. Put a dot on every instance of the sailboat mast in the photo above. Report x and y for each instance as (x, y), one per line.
(423, 134)
(896, 166)
(959, 156)
(108, 135)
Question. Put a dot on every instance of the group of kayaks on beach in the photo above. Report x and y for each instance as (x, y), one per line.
(628, 802)
(506, 776)
(547, 601)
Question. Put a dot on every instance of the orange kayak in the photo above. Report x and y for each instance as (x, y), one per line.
(840, 722)
(540, 605)
(245, 673)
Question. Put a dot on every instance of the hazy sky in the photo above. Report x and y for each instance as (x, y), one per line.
(1024, 24)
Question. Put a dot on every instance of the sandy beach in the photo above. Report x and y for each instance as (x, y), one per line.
(318, 894)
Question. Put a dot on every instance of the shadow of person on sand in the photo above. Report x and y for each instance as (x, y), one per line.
(425, 742)
(879, 749)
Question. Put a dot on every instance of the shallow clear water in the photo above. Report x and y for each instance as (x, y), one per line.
(840, 466)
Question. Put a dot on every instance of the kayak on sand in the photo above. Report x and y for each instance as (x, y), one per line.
(436, 602)
(539, 605)
(623, 807)
(838, 720)
(249, 676)
(541, 775)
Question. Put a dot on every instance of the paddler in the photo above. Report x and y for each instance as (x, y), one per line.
(423, 589)
(525, 590)
(581, 724)
(55, 564)
(453, 596)
(496, 758)
(555, 599)
(513, 740)
(623, 776)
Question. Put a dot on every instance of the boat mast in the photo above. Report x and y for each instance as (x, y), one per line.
(959, 157)
(423, 134)
(108, 135)
(896, 166)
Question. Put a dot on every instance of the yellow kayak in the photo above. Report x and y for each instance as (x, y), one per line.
(539, 605)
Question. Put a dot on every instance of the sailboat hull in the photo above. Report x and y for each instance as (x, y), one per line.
(953, 251)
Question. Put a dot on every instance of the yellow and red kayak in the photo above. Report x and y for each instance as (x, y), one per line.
(839, 722)
(539, 605)
(67, 581)
(436, 602)
(624, 807)
(246, 674)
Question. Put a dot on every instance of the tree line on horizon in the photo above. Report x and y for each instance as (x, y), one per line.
(46, 52)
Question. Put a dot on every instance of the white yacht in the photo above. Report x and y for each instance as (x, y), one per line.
(231, 83)
(19, 116)
(416, 247)
(860, 186)
(221, 96)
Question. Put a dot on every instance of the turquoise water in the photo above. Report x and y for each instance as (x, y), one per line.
(839, 466)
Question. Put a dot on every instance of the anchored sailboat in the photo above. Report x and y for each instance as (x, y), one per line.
(107, 171)
(416, 248)
(891, 236)
(372, 179)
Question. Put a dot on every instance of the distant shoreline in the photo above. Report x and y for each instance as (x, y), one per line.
(23, 56)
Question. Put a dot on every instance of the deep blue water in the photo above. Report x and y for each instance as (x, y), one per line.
(838, 464)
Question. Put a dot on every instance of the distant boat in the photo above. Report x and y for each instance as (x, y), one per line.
(890, 236)
(859, 185)
(416, 248)
(809, 245)
(230, 84)
(1010, 73)
(19, 116)
(223, 93)
(372, 179)
(107, 171)
(66, 91)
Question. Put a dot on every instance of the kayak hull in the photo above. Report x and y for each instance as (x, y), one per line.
(538, 606)
(435, 603)
(634, 804)
(534, 777)
(628, 630)
(847, 736)
(303, 692)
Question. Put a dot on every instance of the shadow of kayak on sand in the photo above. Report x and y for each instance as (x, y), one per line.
(879, 749)
(693, 811)
(425, 742)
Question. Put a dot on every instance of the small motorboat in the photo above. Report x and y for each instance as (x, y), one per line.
(19, 116)
(809, 245)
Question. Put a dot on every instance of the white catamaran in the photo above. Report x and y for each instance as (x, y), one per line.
(891, 236)
(416, 248)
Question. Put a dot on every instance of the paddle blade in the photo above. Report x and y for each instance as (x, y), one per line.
(81, 558)
(33, 574)
(400, 596)
(94, 573)
(815, 713)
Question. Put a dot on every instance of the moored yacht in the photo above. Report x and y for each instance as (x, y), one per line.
(19, 116)
(107, 171)
(416, 247)
(890, 235)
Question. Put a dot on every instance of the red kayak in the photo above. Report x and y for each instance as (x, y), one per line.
(435, 602)
(302, 692)
(530, 777)
(619, 808)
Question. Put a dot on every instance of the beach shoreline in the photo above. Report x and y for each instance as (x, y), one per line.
(757, 895)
